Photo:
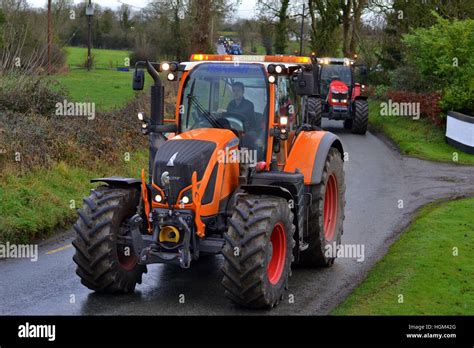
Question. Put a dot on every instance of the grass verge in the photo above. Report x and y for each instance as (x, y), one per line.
(422, 267)
(416, 138)
(109, 89)
(33, 204)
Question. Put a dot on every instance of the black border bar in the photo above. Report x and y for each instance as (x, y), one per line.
(106, 330)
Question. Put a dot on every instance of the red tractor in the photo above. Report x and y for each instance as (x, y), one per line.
(339, 95)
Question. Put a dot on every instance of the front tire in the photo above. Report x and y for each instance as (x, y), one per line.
(326, 214)
(104, 263)
(259, 251)
(361, 117)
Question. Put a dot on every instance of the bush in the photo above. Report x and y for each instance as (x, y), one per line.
(75, 140)
(443, 56)
(26, 94)
(378, 92)
(429, 103)
(408, 78)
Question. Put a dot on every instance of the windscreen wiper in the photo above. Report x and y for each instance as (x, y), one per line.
(209, 117)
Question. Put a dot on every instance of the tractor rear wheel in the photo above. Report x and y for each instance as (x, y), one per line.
(360, 119)
(258, 251)
(105, 263)
(326, 214)
(314, 107)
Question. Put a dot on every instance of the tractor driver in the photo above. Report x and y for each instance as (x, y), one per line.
(245, 108)
(240, 105)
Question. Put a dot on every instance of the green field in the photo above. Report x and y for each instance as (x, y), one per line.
(416, 138)
(109, 89)
(102, 58)
(421, 274)
(104, 85)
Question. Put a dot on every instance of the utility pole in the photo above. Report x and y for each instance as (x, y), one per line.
(49, 36)
(302, 31)
(89, 14)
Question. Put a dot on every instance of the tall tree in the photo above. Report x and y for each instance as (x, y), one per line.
(281, 29)
(325, 19)
(200, 41)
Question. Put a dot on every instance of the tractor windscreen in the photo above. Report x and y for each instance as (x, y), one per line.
(330, 72)
(228, 95)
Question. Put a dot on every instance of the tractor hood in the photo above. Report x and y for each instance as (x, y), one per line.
(338, 86)
(195, 150)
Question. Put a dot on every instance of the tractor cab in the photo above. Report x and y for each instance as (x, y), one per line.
(245, 94)
(335, 80)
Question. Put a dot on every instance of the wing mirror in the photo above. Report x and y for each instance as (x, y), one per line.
(138, 80)
(304, 83)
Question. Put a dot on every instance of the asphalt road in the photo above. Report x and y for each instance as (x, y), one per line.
(378, 181)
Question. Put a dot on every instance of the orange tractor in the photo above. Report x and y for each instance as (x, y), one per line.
(239, 171)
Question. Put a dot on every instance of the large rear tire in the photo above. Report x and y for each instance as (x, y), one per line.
(104, 263)
(326, 214)
(258, 251)
(314, 109)
(360, 120)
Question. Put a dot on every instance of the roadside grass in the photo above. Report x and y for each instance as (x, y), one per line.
(416, 138)
(102, 58)
(421, 267)
(33, 204)
(109, 89)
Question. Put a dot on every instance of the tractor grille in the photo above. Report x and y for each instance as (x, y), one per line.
(189, 156)
(340, 96)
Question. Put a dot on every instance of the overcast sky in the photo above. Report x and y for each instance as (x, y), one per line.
(246, 9)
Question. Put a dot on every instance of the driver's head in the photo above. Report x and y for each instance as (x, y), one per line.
(238, 90)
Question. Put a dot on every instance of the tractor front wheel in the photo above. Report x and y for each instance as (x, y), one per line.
(360, 119)
(325, 214)
(258, 251)
(105, 261)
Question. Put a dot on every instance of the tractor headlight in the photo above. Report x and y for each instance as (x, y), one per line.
(271, 79)
(283, 120)
(278, 69)
(141, 116)
(171, 77)
(344, 101)
(158, 198)
(185, 199)
(165, 66)
(334, 100)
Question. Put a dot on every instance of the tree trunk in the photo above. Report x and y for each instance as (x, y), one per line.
(346, 26)
(281, 28)
(359, 5)
(200, 41)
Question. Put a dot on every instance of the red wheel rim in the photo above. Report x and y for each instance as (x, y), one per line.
(127, 262)
(331, 205)
(277, 260)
